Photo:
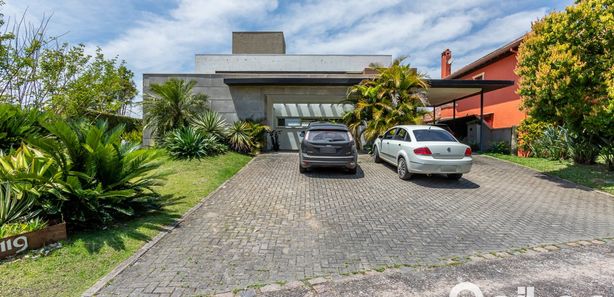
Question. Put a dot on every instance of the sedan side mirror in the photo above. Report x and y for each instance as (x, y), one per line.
(301, 134)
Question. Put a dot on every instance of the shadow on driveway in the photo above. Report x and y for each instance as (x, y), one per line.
(437, 181)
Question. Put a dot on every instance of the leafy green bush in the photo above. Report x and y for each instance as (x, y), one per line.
(247, 136)
(102, 178)
(582, 149)
(15, 206)
(8, 230)
(554, 144)
(500, 147)
(607, 152)
(16, 125)
(529, 131)
(189, 143)
(211, 123)
(135, 136)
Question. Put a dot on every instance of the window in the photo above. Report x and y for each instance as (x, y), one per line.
(433, 135)
(479, 76)
(390, 134)
(327, 136)
(401, 135)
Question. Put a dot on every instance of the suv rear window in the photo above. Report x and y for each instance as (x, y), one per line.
(327, 136)
(433, 135)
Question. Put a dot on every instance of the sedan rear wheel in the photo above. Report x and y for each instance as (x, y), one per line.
(404, 174)
(376, 157)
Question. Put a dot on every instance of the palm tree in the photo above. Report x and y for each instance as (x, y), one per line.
(391, 98)
(172, 105)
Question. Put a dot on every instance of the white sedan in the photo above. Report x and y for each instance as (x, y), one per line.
(424, 150)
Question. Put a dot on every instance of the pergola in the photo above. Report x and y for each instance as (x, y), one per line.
(440, 92)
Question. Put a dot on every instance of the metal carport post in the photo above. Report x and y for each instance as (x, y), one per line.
(482, 120)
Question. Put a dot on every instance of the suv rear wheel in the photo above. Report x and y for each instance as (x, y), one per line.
(404, 174)
(301, 169)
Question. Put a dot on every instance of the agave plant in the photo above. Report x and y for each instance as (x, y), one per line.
(240, 138)
(15, 206)
(189, 143)
(211, 123)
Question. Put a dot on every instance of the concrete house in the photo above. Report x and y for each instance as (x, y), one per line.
(260, 81)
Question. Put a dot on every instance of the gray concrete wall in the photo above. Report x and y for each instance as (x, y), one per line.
(248, 102)
(210, 64)
(258, 43)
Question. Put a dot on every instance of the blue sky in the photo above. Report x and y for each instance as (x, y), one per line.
(156, 36)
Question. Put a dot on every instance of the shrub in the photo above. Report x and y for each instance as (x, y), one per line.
(15, 206)
(607, 152)
(210, 123)
(135, 136)
(500, 147)
(529, 131)
(102, 179)
(583, 150)
(554, 143)
(247, 136)
(8, 230)
(189, 143)
(17, 125)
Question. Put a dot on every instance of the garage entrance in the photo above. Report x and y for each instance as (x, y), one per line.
(292, 114)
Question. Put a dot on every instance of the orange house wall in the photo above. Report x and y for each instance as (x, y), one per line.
(504, 103)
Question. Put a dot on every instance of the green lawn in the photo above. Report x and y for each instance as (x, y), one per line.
(595, 176)
(88, 256)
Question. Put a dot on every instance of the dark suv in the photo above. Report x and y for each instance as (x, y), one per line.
(327, 145)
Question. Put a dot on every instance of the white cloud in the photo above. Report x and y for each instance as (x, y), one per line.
(151, 40)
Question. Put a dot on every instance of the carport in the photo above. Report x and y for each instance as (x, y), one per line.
(441, 91)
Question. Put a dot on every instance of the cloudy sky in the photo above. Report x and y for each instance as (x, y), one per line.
(163, 36)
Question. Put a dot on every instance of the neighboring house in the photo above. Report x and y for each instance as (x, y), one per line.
(260, 81)
(501, 108)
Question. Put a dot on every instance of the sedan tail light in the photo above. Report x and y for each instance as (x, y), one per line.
(423, 151)
(468, 152)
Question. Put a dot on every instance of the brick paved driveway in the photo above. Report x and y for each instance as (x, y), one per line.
(270, 223)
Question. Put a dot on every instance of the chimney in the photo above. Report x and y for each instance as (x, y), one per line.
(446, 63)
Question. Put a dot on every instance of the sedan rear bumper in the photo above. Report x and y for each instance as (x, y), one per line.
(433, 166)
(308, 161)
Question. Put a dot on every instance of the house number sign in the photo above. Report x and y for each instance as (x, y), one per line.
(16, 245)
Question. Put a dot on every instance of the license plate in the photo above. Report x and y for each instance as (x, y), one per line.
(448, 168)
(328, 150)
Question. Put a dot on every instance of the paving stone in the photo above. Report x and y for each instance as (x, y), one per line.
(317, 281)
(270, 288)
(584, 242)
(540, 249)
(270, 222)
(551, 247)
(248, 293)
(597, 242)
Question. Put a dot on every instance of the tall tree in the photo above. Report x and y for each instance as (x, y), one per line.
(37, 70)
(392, 98)
(172, 105)
(565, 66)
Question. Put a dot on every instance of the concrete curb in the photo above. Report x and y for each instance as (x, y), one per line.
(101, 283)
(579, 186)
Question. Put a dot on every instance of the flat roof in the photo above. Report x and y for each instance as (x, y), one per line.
(441, 91)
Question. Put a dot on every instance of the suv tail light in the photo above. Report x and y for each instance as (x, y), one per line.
(423, 151)
(468, 152)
